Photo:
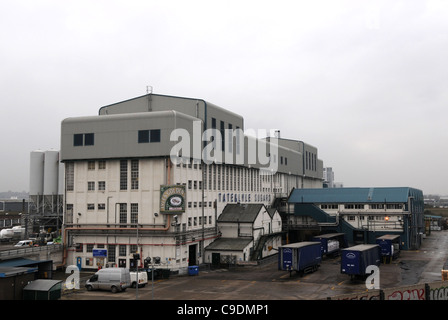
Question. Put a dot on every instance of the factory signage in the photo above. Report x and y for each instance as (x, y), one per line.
(172, 199)
(100, 253)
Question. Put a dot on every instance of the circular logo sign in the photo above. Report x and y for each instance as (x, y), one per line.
(175, 201)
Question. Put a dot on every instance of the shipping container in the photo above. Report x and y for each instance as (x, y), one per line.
(302, 257)
(390, 246)
(331, 243)
(355, 260)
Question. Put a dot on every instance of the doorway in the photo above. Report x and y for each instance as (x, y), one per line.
(192, 259)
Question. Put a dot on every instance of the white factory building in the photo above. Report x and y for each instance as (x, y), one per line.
(151, 175)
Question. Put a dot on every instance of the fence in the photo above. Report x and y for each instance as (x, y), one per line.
(14, 253)
(426, 291)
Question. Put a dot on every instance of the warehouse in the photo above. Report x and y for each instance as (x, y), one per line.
(153, 174)
(363, 214)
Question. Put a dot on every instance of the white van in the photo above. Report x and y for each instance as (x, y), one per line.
(113, 279)
(142, 279)
(24, 243)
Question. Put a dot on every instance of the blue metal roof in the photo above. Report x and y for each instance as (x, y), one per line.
(354, 195)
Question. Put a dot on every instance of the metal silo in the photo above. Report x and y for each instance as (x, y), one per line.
(37, 172)
(51, 172)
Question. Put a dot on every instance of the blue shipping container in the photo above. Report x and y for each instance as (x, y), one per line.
(355, 260)
(300, 256)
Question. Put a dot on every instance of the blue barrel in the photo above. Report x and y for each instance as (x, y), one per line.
(193, 270)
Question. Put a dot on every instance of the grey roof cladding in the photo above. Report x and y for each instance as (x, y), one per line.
(229, 244)
(246, 213)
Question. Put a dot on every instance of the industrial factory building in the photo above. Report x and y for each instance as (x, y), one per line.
(153, 174)
(362, 214)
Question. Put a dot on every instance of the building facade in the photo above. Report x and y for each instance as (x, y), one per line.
(362, 214)
(248, 232)
(151, 175)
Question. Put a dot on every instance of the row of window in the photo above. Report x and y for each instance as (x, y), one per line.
(221, 177)
(123, 211)
(111, 251)
(144, 136)
(398, 206)
(370, 218)
(310, 161)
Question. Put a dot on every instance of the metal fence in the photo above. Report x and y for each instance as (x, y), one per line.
(19, 252)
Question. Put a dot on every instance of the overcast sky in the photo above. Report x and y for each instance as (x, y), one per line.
(366, 82)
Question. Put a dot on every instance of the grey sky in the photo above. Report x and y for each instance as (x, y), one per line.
(365, 82)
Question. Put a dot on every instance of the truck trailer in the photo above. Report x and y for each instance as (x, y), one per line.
(331, 243)
(390, 246)
(302, 257)
(355, 260)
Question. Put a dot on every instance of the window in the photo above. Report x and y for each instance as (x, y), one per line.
(123, 213)
(89, 139)
(90, 206)
(123, 174)
(122, 250)
(143, 136)
(101, 164)
(134, 213)
(91, 165)
(230, 138)
(147, 136)
(223, 140)
(134, 174)
(111, 253)
(78, 139)
(154, 135)
(69, 213)
(101, 185)
(70, 175)
(91, 185)
(83, 139)
(101, 206)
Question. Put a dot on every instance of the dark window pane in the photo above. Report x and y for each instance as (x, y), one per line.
(143, 136)
(155, 135)
(89, 139)
(78, 139)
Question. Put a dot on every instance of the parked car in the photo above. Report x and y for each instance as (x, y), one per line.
(113, 279)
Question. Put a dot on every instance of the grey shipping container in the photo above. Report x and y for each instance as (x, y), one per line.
(355, 260)
(302, 257)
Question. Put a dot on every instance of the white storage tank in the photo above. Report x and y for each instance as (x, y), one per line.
(51, 172)
(37, 172)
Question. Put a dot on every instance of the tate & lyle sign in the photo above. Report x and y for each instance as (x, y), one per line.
(172, 199)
